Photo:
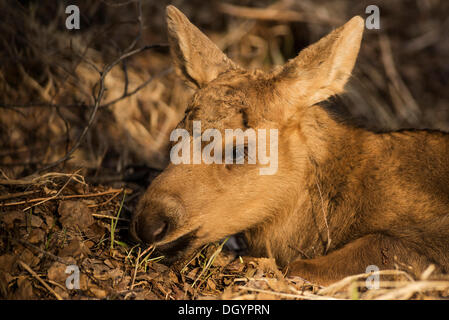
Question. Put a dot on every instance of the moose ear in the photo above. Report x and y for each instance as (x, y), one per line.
(322, 69)
(196, 58)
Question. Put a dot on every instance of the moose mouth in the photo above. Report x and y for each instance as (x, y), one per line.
(177, 249)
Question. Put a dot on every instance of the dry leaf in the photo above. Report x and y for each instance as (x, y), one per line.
(98, 292)
(36, 236)
(75, 214)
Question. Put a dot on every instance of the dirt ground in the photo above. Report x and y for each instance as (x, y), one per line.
(58, 222)
(84, 122)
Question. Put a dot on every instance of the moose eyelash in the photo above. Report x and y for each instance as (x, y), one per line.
(240, 152)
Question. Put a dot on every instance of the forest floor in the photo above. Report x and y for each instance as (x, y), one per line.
(56, 226)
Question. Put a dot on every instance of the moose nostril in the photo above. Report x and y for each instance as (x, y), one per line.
(151, 230)
(159, 233)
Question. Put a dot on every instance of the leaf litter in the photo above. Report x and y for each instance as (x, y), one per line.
(37, 245)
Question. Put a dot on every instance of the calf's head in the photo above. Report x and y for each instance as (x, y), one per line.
(189, 205)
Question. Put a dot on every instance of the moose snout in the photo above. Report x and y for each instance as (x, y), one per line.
(149, 229)
(154, 219)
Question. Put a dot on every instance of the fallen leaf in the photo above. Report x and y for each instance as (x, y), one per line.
(115, 274)
(29, 258)
(56, 272)
(75, 249)
(36, 236)
(23, 219)
(75, 214)
(24, 289)
(211, 284)
(62, 293)
(193, 274)
(7, 262)
(98, 292)
(5, 279)
(109, 263)
(49, 221)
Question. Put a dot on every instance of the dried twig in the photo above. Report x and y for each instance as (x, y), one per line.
(36, 276)
(106, 202)
(43, 179)
(97, 100)
(262, 13)
(55, 196)
(89, 195)
(335, 287)
(288, 295)
(18, 194)
(33, 247)
(108, 217)
(407, 107)
(275, 12)
(409, 290)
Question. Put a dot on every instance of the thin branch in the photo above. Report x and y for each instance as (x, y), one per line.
(140, 21)
(98, 98)
(138, 88)
(36, 276)
(55, 196)
(60, 198)
(104, 105)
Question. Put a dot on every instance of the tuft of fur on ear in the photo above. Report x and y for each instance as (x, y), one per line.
(197, 59)
(323, 68)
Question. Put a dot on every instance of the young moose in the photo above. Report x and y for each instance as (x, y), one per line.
(343, 198)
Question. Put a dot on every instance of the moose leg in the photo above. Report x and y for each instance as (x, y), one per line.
(382, 251)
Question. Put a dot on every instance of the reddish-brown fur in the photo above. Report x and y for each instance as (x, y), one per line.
(343, 198)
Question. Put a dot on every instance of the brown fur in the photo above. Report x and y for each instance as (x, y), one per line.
(343, 198)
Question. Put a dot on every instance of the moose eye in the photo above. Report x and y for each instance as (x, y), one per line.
(239, 156)
(240, 153)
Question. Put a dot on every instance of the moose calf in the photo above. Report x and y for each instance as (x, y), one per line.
(343, 198)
